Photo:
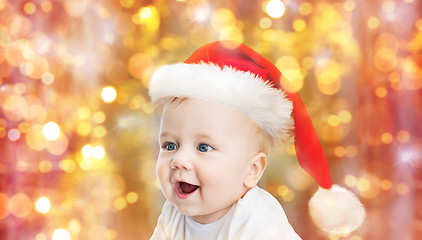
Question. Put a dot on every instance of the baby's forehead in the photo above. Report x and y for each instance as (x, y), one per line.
(212, 110)
(214, 113)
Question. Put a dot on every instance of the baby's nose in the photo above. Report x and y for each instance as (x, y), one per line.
(182, 160)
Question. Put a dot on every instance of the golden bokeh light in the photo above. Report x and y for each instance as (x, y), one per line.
(47, 78)
(86, 164)
(265, 23)
(351, 151)
(20, 205)
(67, 165)
(87, 150)
(51, 131)
(286, 194)
(14, 107)
(386, 138)
(43, 205)
(350, 180)
(61, 234)
(334, 120)
(145, 12)
(299, 25)
(349, 5)
(111, 234)
(120, 203)
(290, 68)
(45, 166)
(331, 133)
(29, 8)
(41, 236)
(46, 6)
(84, 128)
(373, 22)
(59, 146)
(289, 197)
(305, 8)
(98, 152)
(99, 117)
(369, 186)
(35, 139)
(138, 64)
(108, 94)
(282, 190)
(340, 151)
(328, 75)
(275, 8)
(74, 226)
(148, 17)
(363, 184)
(381, 92)
(345, 116)
(127, 3)
(385, 60)
(403, 136)
(231, 33)
(132, 197)
(99, 131)
(386, 184)
(83, 113)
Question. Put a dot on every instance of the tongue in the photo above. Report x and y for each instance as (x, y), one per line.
(187, 188)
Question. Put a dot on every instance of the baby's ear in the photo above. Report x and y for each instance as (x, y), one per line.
(257, 166)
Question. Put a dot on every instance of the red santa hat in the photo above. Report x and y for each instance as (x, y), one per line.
(235, 75)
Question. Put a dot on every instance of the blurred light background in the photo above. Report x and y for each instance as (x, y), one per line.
(78, 133)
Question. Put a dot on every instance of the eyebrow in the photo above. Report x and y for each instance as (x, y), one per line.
(199, 135)
(203, 135)
(164, 134)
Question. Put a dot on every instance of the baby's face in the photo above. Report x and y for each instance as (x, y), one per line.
(204, 157)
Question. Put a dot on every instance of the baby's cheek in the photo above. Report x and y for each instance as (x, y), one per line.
(161, 170)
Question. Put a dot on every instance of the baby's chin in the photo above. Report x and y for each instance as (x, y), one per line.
(188, 210)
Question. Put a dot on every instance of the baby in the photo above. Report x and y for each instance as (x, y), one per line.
(222, 109)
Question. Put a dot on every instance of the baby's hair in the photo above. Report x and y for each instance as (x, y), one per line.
(177, 100)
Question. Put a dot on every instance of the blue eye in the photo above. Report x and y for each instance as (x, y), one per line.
(204, 147)
(170, 146)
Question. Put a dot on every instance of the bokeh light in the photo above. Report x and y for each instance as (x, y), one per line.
(51, 131)
(61, 234)
(4, 206)
(78, 129)
(20, 205)
(275, 8)
(108, 94)
(43, 205)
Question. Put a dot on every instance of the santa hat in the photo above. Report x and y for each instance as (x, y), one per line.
(235, 75)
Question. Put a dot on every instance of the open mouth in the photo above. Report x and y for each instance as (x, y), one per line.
(184, 189)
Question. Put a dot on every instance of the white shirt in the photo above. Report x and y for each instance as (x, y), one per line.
(258, 215)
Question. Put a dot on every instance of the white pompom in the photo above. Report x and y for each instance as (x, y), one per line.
(337, 210)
